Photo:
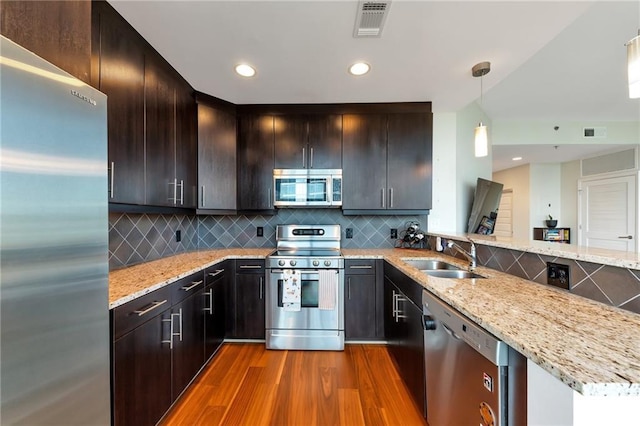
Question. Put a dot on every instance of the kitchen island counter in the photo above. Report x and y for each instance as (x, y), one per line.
(591, 347)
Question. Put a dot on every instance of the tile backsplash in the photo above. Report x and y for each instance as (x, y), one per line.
(136, 238)
(611, 285)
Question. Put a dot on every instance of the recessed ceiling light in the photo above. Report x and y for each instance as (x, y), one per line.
(517, 158)
(245, 70)
(359, 68)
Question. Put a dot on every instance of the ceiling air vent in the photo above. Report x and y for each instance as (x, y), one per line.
(370, 18)
(594, 132)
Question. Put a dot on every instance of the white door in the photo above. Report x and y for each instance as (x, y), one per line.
(608, 213)
(504, 221)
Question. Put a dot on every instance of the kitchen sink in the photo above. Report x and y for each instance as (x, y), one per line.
(451, 273)
(430, 264)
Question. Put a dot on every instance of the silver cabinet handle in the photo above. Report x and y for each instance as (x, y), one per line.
(202, 198)
(182, 192)
(209, 295)
(261, 288)
(175, 190)
(627, 237)
(311, 158)
(192, 286)
(349, 288)
(382, 192)
(150, 308)
(250, 267)
(219, 271)
(304, 158)
(390, 197)
(111, 178)
(360, 267)
(172, 332)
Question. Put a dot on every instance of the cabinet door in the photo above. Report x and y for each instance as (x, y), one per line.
(255, 163)
(360, 307)
(216, 158)
(142, 374)
(392, 326)
(290, 138)
(325, 141)
(364, 150)
(186, 145)
(214, 308)
(160, 103)
(58, 31)
(409, 161)
(249, 306)
(120, 75)
(188, 346)
(412, 368)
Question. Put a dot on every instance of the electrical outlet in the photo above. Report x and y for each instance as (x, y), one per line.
(558, 275)
(178, 236)
(394, 234)
(259, 231)
(349, 232)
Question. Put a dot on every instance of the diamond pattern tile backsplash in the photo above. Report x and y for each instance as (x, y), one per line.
(136, 238)
(611, 285)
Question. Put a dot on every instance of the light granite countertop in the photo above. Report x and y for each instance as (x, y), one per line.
(618, 258)
(591, 347)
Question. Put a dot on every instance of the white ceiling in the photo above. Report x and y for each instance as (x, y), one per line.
(551, 60)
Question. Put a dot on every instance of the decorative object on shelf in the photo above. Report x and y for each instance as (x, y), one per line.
(551, 222)
(481, 139)
(633, 66)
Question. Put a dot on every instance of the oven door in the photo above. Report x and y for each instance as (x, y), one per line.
(309, 317)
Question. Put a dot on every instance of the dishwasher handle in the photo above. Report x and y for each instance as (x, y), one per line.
(428, 323)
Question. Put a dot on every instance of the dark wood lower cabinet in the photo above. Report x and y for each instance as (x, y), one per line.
(217, 280)
(363, 306)
(142, 373)
(249, 306)
(405, 337)
(188, 347)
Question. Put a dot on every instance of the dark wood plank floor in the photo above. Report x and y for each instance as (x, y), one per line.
(246, 384)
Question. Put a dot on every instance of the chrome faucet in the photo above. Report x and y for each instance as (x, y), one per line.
(471, 256)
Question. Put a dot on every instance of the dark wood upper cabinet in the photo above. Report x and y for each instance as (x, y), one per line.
(119, 54)
(255, 162)
(308, 141)
(216, 158)
(409, 161)
(58, 31)
(186, 141)
(364, 152)
(388, 158)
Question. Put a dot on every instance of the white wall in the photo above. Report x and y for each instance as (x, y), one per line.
(570, 173)
(517, 179)
(545, 194)
(445, 207)
(521, 132)
(455, 168)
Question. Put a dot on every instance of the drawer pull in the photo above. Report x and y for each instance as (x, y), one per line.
(216, 272)
(192, 286)
(150, 308)
(250, 267)
(361, 267)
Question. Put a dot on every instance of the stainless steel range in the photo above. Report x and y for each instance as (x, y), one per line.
(305, 289)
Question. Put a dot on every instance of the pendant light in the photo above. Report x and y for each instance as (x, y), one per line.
(480, 135)
(633, 66)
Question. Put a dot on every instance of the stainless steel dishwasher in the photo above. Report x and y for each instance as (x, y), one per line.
(471, 376)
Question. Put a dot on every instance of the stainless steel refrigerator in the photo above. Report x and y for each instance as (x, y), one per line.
(54, 318)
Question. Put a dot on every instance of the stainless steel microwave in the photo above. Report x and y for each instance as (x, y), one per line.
(307, 187)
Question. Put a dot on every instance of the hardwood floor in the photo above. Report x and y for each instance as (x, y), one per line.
(245, 384)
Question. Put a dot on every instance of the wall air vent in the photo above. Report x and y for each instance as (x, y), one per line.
(370, 18)
(594, 132)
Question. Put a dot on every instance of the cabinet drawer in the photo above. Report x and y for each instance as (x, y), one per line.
(186, 286)
(217, 271)
(360, 266)
(138, 311)
(250, 266)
